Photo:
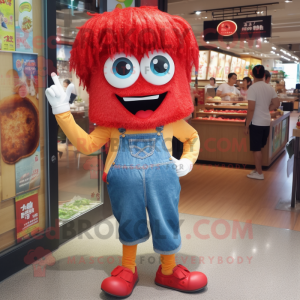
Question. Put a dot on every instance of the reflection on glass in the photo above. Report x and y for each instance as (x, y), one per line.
(80, 184)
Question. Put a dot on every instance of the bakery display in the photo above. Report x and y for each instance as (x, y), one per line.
(19, 124)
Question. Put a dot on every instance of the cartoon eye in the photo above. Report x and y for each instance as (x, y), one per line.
(121, 71)
(158, 68)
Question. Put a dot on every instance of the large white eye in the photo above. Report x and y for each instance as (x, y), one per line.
(158, 68)
(121, 71)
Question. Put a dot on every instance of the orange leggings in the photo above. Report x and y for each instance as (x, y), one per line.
(129, 255)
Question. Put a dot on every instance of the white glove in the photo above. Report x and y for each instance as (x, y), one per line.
(183, 166)
(58, 99)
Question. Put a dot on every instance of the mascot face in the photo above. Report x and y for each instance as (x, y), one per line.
(146, 83)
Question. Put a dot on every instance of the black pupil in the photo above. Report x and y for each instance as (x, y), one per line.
(161, 64)
(121, 68)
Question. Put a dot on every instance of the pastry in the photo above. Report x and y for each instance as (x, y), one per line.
(19, 123)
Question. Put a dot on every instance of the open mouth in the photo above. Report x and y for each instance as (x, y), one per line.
(142, 106)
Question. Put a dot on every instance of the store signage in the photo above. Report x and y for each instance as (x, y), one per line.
(243, 28)
(227, 28)
(27, 215)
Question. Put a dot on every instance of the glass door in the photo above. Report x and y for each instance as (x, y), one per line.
(82, 196)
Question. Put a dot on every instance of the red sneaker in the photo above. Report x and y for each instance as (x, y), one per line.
(121, 283)
(181, 280)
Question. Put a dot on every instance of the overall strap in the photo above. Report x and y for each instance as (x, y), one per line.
(122, 130)
(160, 128)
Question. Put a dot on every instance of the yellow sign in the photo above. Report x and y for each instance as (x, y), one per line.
(7, 25)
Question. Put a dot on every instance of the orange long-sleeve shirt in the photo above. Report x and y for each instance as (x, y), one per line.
(89, 143)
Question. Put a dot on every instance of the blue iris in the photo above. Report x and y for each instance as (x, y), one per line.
(123, 68)
(159, 65)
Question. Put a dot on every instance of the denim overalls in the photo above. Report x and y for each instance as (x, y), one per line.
(144, 176)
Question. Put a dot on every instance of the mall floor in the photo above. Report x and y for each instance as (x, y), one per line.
(255, 257)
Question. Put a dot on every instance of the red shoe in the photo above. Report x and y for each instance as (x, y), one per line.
(121, 283)
(181, 280)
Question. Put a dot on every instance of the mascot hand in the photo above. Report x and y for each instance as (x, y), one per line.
(58, 99)
(183, 166)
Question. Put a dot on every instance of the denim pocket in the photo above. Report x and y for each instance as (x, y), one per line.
(141, 148)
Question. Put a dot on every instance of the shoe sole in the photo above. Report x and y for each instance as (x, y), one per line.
(122, 297)
(183, 291)
(255, 178)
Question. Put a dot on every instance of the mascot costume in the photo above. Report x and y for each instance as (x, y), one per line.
(136, 66)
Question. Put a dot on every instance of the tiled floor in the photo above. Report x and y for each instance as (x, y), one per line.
(259, 266)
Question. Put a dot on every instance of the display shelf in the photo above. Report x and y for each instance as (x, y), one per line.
(273, 114)
(222, 101)
(227, 106)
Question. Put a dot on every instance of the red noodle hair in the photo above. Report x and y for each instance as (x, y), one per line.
(133, 31)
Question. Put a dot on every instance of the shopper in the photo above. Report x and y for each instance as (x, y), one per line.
(212, 84)
(262, 98)
(267, 77)
(226, 90)
(70, 90)
(247, 82)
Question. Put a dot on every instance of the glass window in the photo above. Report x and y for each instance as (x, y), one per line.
(80, 176)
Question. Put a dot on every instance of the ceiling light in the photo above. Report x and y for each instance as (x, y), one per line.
(258, 12)
(245, 42)
(202, 35)
(273, 48)
(278, 54)
(273, 52)
(218, 47)
(288, 1)
(262, 12)
(198, 12)
(205, 17)
(257, 46)
(58, 39)
(207, 42)
(266, 41)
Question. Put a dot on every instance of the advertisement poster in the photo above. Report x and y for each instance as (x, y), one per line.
(26, 75)
(221, 67)
(276, 137)
(227, 67)
(112, 4)
(213, 65)
(24, 26)
(246, 72)
(233, 64)
(238, 67)
(7, 25)
(63, 52)
(243, 66)
(27, 215)
(203, 62)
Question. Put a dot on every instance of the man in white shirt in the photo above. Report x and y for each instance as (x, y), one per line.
(262, 99)
(225, 90)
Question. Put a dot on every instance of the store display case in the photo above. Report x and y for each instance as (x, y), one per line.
(220, 125)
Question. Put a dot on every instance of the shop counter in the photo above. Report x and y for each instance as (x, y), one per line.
(225, 141)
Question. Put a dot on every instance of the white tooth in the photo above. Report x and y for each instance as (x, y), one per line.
(141, 98)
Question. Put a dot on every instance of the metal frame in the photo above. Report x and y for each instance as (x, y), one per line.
(237, 11)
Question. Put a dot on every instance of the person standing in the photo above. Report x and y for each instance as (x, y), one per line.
(267, 77)
(262, 98)
(247, 82)
(212, 84)
(225, 90)
(70, 90)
